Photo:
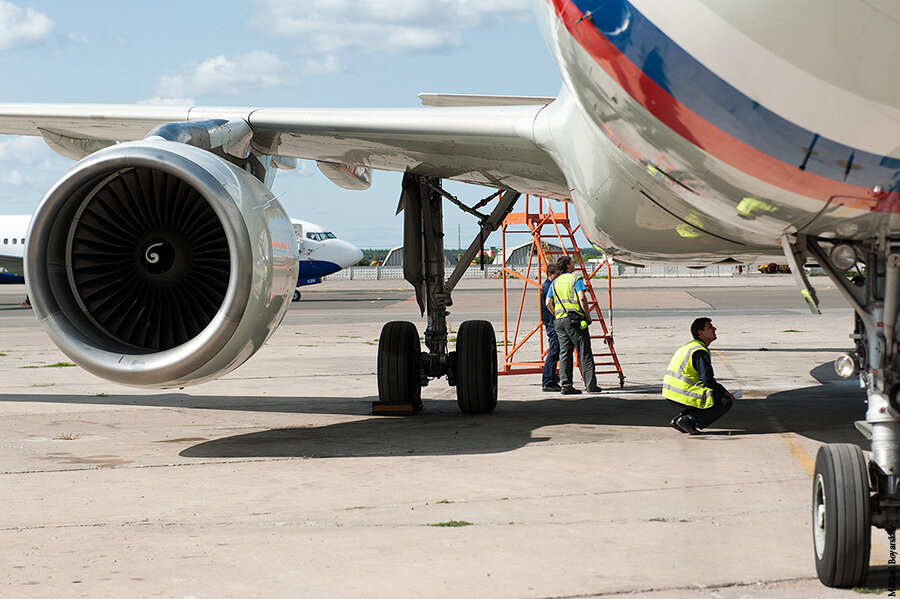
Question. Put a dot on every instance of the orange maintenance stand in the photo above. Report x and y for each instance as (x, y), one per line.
(544, 226)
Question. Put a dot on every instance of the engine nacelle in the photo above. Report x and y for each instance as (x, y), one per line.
(158, 264)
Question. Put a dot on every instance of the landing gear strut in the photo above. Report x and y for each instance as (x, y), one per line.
(402, 369)
(849, 494)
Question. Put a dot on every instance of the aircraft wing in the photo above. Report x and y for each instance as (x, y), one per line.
(484, 145)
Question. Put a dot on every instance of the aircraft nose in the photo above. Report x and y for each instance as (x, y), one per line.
(350, 254)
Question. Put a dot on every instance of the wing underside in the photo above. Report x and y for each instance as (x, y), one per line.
(484, 145)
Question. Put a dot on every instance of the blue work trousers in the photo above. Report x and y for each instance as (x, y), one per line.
(550, 377)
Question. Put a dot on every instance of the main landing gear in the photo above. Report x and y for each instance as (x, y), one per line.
(850, 495)
(402, 368)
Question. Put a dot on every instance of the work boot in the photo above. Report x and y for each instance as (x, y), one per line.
(687, 424)
(570, 391)
(674, 424)
(595, 388)
(551, 388)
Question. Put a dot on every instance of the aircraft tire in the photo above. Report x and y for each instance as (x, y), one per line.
(296, 296)
(842, 522)
(476, 367)
(398, 364)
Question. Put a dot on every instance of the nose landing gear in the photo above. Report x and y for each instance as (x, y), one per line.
(851, 494)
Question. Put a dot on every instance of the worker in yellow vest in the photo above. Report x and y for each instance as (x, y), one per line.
(690, 383)
(567, 301)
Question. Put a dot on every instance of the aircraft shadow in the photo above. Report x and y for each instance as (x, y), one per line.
(767, 348)
(881, 577)
(824, 413)
(287, 405)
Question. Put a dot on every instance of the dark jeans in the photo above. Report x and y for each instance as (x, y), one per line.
(574, 338)
(550, 376)
(704, 417)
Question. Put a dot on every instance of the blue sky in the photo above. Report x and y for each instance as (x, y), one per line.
(306, 53)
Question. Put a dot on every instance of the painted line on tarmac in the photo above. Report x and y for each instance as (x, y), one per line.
(799, 454)
(878, 555)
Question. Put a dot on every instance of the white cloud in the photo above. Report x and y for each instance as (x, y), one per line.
(402, 26)
(12, 178)
(221, 75)
(324, 65)
(28, 167)
(19, 27)
(160, 101)
(31, 151)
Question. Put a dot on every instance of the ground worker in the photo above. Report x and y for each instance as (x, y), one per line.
(566, 299)
(550, 380)
(690, 383)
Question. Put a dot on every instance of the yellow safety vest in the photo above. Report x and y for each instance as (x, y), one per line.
(564, 296)
(682, 382)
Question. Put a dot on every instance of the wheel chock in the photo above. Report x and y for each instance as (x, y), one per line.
(393, 409)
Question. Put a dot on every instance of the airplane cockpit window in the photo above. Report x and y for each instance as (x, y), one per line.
(320, 236)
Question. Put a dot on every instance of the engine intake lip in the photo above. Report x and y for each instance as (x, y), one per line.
(59, 303)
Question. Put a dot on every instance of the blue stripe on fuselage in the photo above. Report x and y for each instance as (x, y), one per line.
(316, 268)
(692, 84)
(8, 277)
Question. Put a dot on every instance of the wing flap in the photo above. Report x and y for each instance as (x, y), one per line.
(489, 146)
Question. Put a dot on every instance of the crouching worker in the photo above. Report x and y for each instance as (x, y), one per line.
(690, 384)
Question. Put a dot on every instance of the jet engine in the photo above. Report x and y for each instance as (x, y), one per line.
(159, 264)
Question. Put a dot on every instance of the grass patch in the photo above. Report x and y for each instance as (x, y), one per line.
(452, 523)
(445, 501)
(57, 365)
(866, 591)
(657, 520)
(69, 436)
(44, 385)
(98, 394)
(791, 331)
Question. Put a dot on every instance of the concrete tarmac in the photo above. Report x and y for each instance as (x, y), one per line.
(275, 481)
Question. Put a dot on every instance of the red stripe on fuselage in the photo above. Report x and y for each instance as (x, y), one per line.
(704, 134)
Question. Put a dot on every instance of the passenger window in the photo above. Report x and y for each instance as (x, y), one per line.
(6, 241)
(14, 240)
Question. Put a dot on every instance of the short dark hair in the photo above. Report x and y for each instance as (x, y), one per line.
(699, 324)
(563, 263)
(552, 269)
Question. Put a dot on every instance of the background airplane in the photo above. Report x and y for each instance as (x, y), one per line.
(321, 252)
(13, 228)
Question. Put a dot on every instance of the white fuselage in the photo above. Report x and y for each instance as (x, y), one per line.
(703, 131)
(13, 228)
